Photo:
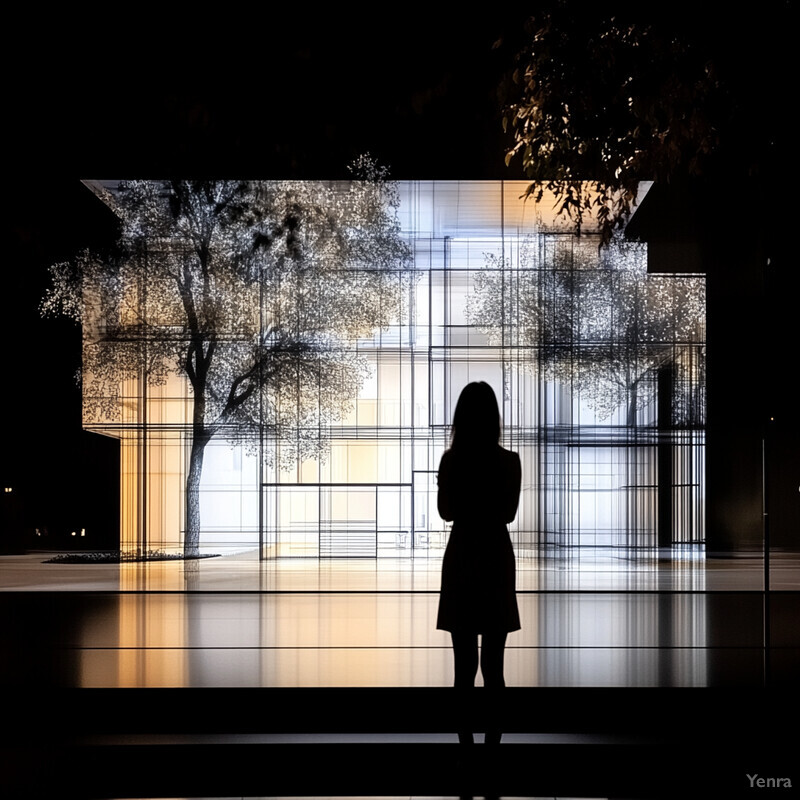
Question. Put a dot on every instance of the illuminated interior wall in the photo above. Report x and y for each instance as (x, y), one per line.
(152, 426)
(590, 478)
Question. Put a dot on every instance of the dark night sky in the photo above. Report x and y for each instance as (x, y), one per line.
(296, 94)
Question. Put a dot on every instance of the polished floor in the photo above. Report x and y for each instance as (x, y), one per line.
(598, 620)
(584, 570)
(328, 678)
(333, 639)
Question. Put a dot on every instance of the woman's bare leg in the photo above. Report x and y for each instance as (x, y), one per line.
(492, 661)
(493, 648)
(465, 660)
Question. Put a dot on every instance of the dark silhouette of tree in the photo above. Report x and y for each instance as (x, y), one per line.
(252, 291)
(614, 96)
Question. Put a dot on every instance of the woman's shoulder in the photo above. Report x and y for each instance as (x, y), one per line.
(497, 455)
(496, 450)
(507, 455)
(446, 461)
(511, 462)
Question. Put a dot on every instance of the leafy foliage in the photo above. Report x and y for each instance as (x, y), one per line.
(611, 99)
(596, 321)
(255, 292)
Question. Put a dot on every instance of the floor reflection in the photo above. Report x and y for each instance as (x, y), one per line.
(306, 639)
(598, 621)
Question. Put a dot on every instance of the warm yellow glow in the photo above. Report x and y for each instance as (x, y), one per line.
(151, 627)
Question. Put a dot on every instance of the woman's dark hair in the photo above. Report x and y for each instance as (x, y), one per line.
(476, 420)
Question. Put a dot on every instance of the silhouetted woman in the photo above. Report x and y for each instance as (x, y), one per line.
(479, 484)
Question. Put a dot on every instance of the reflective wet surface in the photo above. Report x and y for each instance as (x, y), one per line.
(328, 678)
(237, 622)
(584, 570)
(172, 640)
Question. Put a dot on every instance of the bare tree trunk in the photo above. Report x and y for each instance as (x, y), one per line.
(633, 402)
(191, 540)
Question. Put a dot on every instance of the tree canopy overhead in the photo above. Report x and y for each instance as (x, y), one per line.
(618, 96)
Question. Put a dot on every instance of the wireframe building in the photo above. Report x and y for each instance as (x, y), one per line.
(598, 367)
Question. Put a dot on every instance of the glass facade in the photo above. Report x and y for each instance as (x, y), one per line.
(597, 365)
